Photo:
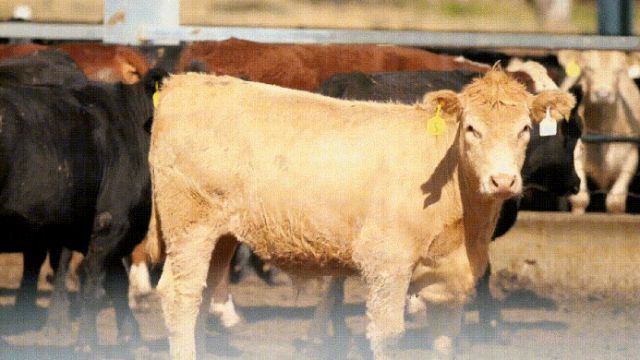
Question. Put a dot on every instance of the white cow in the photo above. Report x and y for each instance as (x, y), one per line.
(610, 106)
(320, 186)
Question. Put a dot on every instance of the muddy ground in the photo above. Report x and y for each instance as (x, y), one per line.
(276, 320)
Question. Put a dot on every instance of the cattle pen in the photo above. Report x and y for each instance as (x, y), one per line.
(568, 284)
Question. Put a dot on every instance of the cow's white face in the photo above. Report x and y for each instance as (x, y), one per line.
(494, 151)
(496, 113)
(601, 74)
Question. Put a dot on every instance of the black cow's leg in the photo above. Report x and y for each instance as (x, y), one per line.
(58, 319)
(117, 286)
(103, 270)
(488, 310)
(25, 305)
(341, 333)
(92, 276)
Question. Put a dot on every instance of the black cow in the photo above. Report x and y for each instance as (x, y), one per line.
(548, 163)
(51, 66)
(74, 173)
(406, 86)
(41, 67)
(549, 61)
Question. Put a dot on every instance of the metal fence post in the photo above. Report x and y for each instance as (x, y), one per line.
(615, 17)
(125, 21)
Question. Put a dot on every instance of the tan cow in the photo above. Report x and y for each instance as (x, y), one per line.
(610, 106)
(321, 186)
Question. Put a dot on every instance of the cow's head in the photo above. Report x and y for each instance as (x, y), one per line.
(599, 72)
(495, 114)
(549, 164)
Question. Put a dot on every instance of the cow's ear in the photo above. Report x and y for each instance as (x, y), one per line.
(565, 57)
(449, 102)
(152, 80)
(633, 63)
(558, 102)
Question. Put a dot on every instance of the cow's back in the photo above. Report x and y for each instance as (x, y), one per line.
(305, 66)
(50, 66)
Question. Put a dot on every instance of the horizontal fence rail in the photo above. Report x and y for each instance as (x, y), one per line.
(162, 35)
(595, 139)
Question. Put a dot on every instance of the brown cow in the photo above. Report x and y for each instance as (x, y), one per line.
(7, 51)
(100, 62)
(305, 66)
(109, 63)
(321, 186)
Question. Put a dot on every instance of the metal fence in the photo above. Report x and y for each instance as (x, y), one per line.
(156, 22)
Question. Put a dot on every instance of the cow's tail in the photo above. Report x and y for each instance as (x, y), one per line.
(155, 245)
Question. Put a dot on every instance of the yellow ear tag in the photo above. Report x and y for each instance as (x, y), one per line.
(156, 97)
(573, 69)
(548, 126)
(436, 125)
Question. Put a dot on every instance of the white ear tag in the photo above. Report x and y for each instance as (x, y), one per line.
(548, 126)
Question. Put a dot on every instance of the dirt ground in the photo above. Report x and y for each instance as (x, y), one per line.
(275, 320)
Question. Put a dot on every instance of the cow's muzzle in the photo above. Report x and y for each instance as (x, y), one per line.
(503, 184)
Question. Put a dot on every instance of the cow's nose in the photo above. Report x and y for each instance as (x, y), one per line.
(602, 94)
(503, 183)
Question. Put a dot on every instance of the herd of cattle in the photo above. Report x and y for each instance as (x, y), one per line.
(397, 164)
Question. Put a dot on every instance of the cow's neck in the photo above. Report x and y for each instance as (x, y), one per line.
(480, 215)
(595, 113)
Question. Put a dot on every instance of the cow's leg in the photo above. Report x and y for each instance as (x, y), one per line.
(25, 304)
(387, 271)
(222, 304)
(327, 309)
(113, 237)
(139, 279)
(340, 330)
(185, 273)
(617, 196)
(116, 285)
(580, 201)
(58, 319)
(487, 306)
(444, 321)
(217, 283)
(385, 310)
(92, 274)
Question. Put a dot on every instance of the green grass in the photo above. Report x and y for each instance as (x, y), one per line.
(240, 6)
(585, 17)
(462, 9)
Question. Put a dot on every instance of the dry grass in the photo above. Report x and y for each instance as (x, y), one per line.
(436, 15)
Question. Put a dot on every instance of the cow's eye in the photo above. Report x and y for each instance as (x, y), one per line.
(474, 132)
(525, 131)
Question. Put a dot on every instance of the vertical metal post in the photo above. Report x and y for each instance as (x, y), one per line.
(125, 20)
(615, 17)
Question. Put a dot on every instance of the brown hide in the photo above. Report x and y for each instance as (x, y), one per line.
(100, 62)
(7, 51)
(108, 62)
(304, 67)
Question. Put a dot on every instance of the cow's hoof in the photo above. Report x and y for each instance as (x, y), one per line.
(616, 203)
(579, 203)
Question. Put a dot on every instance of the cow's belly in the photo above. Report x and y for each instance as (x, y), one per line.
(604, 163)
(310, 239)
